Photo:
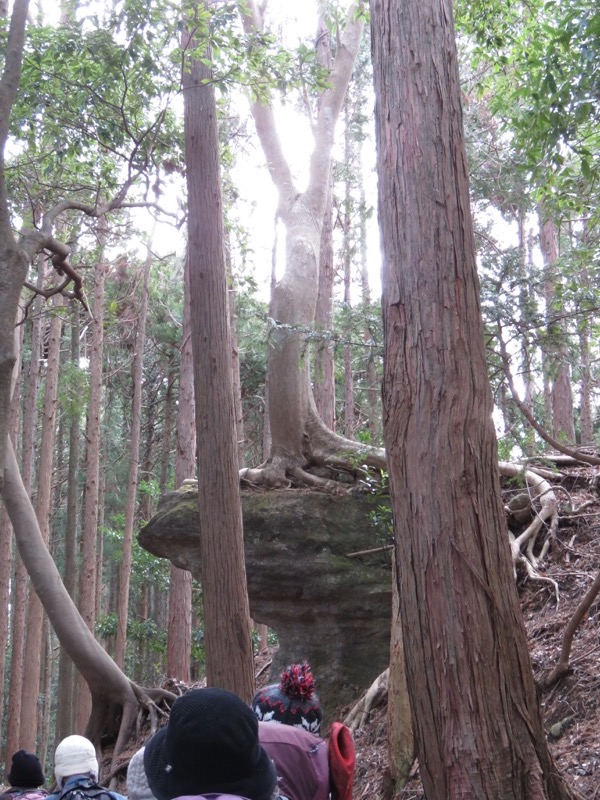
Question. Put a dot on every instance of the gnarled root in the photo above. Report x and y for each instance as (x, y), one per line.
(543, 491)
(374, 697)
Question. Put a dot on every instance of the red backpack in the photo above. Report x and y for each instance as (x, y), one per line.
(342, 760)
(300, 758)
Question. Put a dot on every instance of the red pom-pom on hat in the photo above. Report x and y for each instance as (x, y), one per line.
(297, 681)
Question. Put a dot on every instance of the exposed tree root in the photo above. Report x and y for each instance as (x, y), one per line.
(534, 575)
(547, 516)
(374, 697)
(324, 448)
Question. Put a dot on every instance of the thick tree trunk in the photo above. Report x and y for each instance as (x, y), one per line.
(229, 660)
(478, 728)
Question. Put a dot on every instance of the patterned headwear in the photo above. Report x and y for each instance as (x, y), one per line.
(292, 701)
(137, 782)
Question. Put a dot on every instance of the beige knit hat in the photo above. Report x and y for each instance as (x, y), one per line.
(137, 782)
(75, 755)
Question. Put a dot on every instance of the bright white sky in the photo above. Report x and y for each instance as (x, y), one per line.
(257, 201)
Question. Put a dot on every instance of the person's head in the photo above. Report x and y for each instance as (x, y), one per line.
(137, 782)
(292, 701)
(210, 745)
(75, 755)
(25, 771)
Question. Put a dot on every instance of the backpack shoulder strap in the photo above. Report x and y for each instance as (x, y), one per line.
(86, 789)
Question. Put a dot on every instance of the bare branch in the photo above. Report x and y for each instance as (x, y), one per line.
(562, 448)
(266, 129)
(330, 106)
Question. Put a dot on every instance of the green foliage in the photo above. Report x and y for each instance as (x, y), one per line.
(272, 638)
(73, 390)
(83, 111)
(539, 72)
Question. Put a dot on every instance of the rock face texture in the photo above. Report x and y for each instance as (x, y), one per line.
(329, 609)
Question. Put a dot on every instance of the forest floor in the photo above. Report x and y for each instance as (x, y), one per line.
(571, 709)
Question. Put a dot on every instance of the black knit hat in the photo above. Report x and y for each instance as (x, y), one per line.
(292, 701)
(210, 745)
(25, 771)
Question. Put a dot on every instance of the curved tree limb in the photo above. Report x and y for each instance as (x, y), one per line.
(579, 455)
(264, 119)
(562, 667)
(109, 686)
(329, 110)
(330, 106)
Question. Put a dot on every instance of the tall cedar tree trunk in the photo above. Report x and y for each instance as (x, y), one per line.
(13, 259)
(150, 425)
(88, 569)
(400, 738)
(324, 368)
(562, 395)
(46, 682)
(240, 434)
(585, 392)
(524, 304)
(349, 409)
(167, 431)
(229, 660)
(478, 729)
(134, 461)
(21, 580)
(298, 434)
(179, 630)
(66, 705)
(115, 700)
(6, 549)
(35, 613)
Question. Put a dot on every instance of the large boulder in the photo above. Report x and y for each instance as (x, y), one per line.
(326, 607)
